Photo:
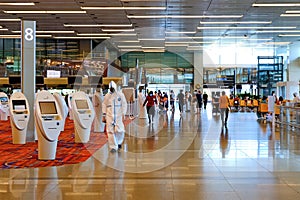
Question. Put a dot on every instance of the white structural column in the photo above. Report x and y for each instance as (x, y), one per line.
(28, 48)
(198, 69)
(294, 66)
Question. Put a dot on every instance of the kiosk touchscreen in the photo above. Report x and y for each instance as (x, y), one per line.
(48, 122)
(4, 107)
(63, 107)
(83, 114)
(19, 117)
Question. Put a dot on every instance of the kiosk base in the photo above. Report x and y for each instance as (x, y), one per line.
(3, 116)
(18, 137)
(82, 136)
(46, 149)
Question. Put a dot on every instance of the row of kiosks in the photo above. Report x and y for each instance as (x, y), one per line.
(50, 113)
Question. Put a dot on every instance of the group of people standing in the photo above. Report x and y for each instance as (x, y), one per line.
(191, 102)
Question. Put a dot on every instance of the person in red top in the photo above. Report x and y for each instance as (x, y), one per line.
(150, 101)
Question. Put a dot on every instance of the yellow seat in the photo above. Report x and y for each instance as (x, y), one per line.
(249, 103)
(255, 103)
(242, 103)
(263, 107)
(231, 102)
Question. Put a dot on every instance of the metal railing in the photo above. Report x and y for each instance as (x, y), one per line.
(290, 116)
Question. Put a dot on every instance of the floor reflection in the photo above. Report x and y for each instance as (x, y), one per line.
(188, 156)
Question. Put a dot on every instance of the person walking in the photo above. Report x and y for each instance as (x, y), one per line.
(199, 100)
(205, 99)
(114, 108)
(150, 101)
(180, 98)
(141, 100)
(224, 108)
(172, 101)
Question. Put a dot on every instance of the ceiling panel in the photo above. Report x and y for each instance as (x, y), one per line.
(181, 8)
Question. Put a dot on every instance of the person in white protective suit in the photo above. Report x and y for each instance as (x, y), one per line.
(114, 108)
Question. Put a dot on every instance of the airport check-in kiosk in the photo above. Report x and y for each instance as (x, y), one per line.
(63, 108)
(4, 107)
(19, 117)
(48, 122)
(83, 113)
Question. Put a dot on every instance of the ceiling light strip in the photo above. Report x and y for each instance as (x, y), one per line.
(287, 35)
(10, 20)
(275, 4)
(129, 46)
(152, 39)
(292, 11)
(18, 4)
(289, 15)
(279, 31)
(246, 27)
(180, 32)
(66, 37)
(125, 8)
(44, 12)
(117, 30)
(236, 22)
(98, 25)
(183, 16)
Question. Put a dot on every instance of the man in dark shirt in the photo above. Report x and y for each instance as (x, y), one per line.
(199, 100)
(205, 99)
(180, 98)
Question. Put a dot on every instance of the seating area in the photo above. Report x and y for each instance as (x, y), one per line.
(243, 105)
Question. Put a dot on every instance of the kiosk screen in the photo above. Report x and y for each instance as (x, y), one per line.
(48, 107)
(19, 105)
(82, 104)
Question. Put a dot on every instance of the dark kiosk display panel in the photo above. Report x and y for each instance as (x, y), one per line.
(81, 104)
(48, 107)
(19, 104)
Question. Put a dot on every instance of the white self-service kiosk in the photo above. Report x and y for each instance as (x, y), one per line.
(83, 113)
(4, 107)
(97, 102)
(19, 117)
(70, 106)
(48, 122)
(63, 108)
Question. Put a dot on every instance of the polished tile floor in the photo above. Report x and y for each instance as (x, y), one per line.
(177, 157)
